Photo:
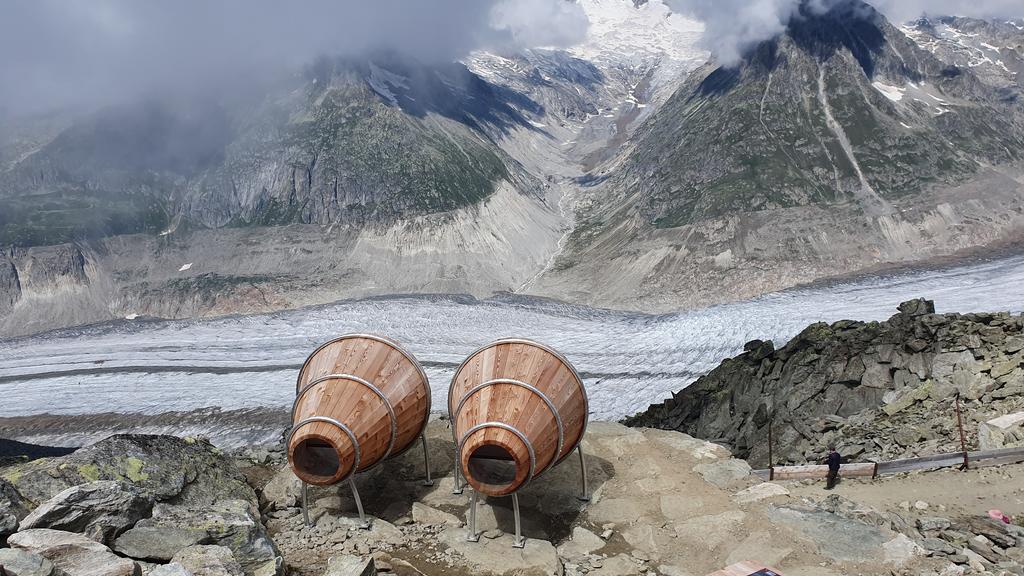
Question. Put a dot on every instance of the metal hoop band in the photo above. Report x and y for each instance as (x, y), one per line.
(553, 352)
(342, 427)
(531, 388)
(503, 426)
(374, 389)
(401, 349)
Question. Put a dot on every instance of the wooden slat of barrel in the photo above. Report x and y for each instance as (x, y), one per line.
(510, 404)
(382, 363)
(507, 403)
(533, 365)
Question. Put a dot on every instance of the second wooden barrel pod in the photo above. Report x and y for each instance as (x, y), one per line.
(518, 408)
(359, 400)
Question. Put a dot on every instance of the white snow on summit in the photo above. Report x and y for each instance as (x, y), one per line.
(648, 35)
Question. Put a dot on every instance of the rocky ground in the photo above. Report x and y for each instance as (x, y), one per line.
(878, 390)
(663, 503)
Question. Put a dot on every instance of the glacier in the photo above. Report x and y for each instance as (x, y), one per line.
(628, 360)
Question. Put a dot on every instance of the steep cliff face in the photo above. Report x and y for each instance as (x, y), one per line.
(876, 389)
(10, 285)
(355, 142)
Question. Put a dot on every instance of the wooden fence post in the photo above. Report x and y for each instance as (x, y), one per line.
(963, 441)
(771, 460)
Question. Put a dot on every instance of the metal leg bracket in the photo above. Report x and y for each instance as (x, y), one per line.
(426, 461)
(363, 522)
(585, 495)
(519, 541)
(473, 535)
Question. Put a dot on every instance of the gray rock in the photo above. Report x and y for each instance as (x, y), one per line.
(172, 569)
(837, 537)
(230, 524)
(190, 471)
(208, 561)
(938, 546)
(12, 508)
(100, 510)
(23, 563)
(159, 542)
(723, 473)
(876, 375)
(497, 556)
(73, 553)
(423, 514)
(932, 523)
(581, 543)
(283, 491)
(350, 566)
(917, 307)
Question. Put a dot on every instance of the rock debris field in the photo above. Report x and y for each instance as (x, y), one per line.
(663, 503)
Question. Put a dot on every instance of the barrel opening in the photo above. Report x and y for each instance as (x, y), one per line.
(492, 465)
(316, 458)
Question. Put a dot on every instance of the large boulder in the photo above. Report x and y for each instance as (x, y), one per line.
(100, 510)
(283, 491)
(179, 470)
(230, 524)
(12, 509)
(74, 554)
(208, 561)
(24, 563)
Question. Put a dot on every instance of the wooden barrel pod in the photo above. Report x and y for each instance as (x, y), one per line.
(518, 408)
(359, 399)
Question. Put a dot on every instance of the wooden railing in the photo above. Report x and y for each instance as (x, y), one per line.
(983, 458)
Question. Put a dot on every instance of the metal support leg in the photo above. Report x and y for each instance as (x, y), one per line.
(473, 535)
(585, 497)
(426, 461)
(364, 523)
(305, 504)
(519, 541)
(458, 477)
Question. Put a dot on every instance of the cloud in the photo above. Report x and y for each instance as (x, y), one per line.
(60, 52)
(902, 10)
(734, 26)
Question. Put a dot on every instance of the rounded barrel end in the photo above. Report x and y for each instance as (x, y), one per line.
(495, 462)
(319, 458)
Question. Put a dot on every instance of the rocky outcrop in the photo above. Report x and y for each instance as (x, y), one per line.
(12, 509)
(100, 510)
(22, 563)
(185, 471)
(876, 389)
(208, 561)
(74, 554)
(661, 503)
(205, 518)
(228, 523)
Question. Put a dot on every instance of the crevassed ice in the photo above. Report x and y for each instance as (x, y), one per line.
(628, 360)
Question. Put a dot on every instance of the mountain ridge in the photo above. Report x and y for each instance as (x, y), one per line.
(842, 145)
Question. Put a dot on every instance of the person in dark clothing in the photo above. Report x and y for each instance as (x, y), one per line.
(833, 460)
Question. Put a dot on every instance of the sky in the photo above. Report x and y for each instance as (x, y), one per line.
(733, 26)
(92, 51)
(55, 53)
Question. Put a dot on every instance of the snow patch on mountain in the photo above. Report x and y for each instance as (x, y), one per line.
(646, 36)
